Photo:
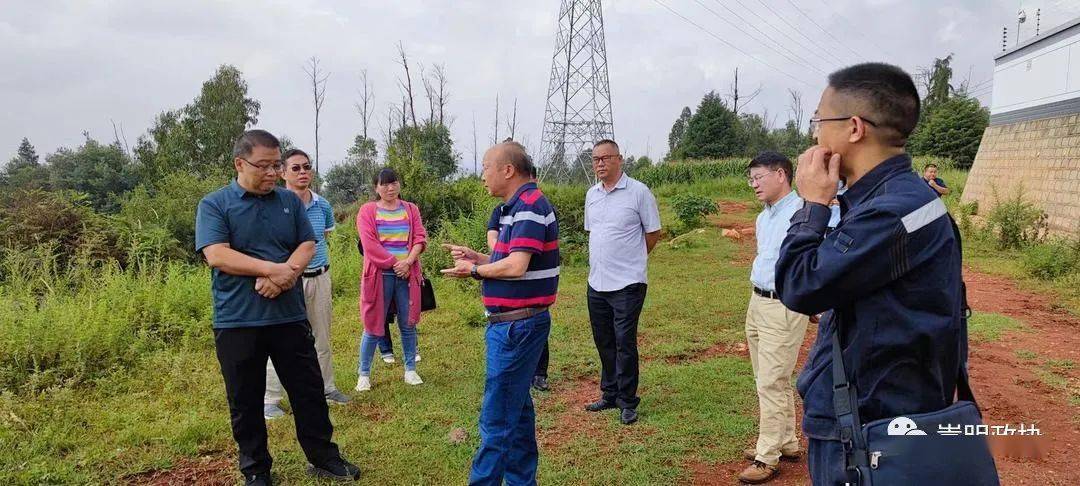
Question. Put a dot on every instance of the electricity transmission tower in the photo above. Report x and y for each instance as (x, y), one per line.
(578, 109)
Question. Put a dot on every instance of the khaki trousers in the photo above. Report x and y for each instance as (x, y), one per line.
(319, 302)
(773, 335)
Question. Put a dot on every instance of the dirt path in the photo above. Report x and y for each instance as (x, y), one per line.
(1011, 387)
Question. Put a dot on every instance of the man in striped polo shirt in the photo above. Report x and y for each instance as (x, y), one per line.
(297, 173)
(519, 282)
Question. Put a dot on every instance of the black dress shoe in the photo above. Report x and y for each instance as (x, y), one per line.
(338, 470)
(259, 479)
(628, 416)
(540, 383)
(600, 405)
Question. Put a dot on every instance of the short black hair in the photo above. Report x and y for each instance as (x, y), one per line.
(295, 151)
(886, 92)
(603, 141)
(931, 164)
(251, 139)
(772, 161)
(385, 175)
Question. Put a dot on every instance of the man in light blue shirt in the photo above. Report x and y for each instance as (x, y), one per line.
(623, 222)
(773, 332)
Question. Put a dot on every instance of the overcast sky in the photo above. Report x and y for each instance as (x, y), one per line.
(74, 66)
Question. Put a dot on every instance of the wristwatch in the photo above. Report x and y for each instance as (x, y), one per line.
(475, 274)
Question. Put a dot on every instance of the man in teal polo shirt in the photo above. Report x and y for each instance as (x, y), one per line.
(258, 241)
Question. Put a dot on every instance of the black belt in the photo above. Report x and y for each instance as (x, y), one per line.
(515, 315)
(768, 294)
(316, 272)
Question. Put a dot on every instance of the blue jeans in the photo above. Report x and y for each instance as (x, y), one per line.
(507, 420)
(395, 292)
(825, 459)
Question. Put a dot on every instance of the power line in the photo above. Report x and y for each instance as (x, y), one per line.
(805, 63)
(797, 30)
(856, 29)
(782, 31)
(812, 21)
(725, 42)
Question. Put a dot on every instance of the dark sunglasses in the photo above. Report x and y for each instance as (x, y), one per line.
(296, 168)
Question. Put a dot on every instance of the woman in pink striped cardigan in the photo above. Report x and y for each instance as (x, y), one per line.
(393, 237)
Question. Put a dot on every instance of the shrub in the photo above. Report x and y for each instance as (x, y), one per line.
(1051, 260)
(1016, 222)
(691, 208)
(60, 220)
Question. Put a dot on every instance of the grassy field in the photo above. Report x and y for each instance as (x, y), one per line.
(113, 399)
(169, 405)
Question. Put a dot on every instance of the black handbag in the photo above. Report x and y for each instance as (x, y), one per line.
(427, 295)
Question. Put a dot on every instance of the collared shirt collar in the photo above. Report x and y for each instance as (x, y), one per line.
(864, 186)
(240, 192)
(782, 202)
(524, 187)
(621, 184)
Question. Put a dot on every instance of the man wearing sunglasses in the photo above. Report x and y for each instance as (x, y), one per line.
(298, 176)
(889, 271)
(258, 241)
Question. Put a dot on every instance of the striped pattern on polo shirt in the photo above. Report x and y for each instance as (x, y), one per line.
(526, 223)
(321, 216)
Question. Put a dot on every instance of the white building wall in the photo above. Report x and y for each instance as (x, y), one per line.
(1046, 73)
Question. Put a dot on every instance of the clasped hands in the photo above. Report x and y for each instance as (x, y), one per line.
(279, 278)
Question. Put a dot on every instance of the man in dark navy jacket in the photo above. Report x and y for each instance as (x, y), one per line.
(890, 271)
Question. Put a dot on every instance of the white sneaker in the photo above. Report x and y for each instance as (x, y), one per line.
(363, 384)
(388, 358)
(412, 378)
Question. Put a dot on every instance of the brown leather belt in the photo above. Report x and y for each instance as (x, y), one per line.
(515, 315)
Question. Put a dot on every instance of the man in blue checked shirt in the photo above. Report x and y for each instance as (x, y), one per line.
(316, 283)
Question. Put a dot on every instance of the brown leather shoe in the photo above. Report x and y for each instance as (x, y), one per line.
(793, 456)
(758, 473)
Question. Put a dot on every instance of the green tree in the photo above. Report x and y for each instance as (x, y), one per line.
(938, 83)
(791, 141)
(678, 129)
(351, 181)
(102, 172)
(953, 129)
(713, 131)
(755, 135)
(24, 170)
(198, 138)
(429, 143)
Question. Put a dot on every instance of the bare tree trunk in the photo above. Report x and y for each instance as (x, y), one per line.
(734, 95)
(407, 85)
(474, 168)
(442, 94)
(318, 91)
(367, 102)
(796, 107)
(511, 124)
(495, 136)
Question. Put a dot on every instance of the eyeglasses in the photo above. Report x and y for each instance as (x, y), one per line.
(757, 178)
(815, 122)
(604, 158)
(296, 168)
(273, 167)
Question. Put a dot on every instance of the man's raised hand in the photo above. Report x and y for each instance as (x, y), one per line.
(818, 174)
(458, 252)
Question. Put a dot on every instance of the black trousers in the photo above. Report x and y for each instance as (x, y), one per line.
(614, 317)
(542, 365)
(242, 353)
